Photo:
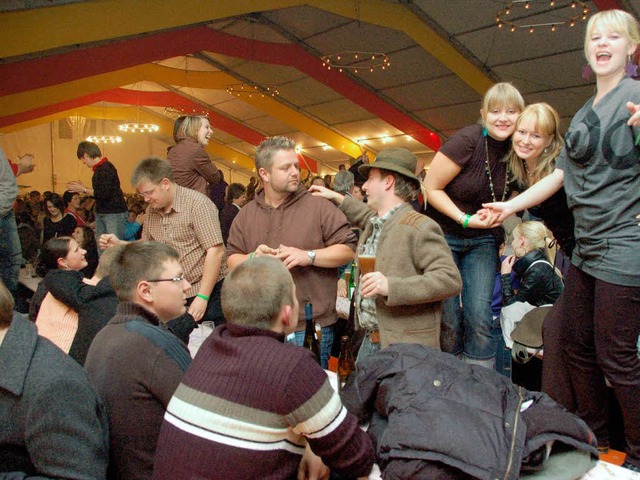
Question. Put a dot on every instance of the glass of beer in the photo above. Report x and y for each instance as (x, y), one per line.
(366, 259)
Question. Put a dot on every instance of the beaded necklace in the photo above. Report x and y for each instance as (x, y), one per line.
(527, 173)
(488, 170)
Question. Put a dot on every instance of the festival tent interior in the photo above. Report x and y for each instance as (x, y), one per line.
(342, 77)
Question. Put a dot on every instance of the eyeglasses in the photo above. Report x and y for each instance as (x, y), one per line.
(149, 192)
(175, 279)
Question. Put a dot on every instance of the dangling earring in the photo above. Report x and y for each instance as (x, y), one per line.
(485, 131)
(631, 69)
(545, 150)
(586, 72)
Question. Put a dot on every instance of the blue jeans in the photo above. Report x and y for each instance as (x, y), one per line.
(326, 342)
(503, 354)
(111, 223)
(367, 349)
(10, 252)
(467, 327)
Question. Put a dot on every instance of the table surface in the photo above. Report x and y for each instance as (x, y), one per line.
(30, 282)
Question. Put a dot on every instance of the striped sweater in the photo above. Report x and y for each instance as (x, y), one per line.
(247, 407)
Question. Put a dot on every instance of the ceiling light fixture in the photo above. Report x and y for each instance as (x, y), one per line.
(504, 17)
(176, 112)
(356, 61)
(252, 90)
(104, 138)
(137, 127)
(134, 127)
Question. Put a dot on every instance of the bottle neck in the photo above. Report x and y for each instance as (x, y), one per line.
(310, 325)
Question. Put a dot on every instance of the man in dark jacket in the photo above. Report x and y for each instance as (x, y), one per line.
(111, 208)
(52, 422)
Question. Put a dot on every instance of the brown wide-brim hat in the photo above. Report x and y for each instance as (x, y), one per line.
(398, 160)
(528, 331)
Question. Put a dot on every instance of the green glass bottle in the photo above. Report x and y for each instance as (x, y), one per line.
(310, 338)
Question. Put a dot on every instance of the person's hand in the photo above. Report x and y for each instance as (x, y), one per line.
(25, 164)
(502, 209)
(197, 308)
(293, 257)
(140, 218)
(76, 186)
(342, 287)
(264, 250)
(324, 192)
(634, 110)
(507, 264)
(484, 218)
(638, 218)
(374, 283)
(311, 467)
(107, 240)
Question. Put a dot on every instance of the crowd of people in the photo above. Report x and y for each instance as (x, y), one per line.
(98, 382)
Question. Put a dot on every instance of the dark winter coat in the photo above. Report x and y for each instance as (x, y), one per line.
(438, 417)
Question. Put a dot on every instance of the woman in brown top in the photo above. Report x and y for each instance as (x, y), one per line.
(191, 165)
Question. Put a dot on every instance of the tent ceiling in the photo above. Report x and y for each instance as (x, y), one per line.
(157, 54)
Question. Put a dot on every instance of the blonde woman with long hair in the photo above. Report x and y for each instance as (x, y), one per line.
(536, 145)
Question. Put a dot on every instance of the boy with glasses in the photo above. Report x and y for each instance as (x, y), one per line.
(135, 363)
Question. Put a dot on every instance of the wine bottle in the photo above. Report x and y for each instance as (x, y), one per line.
(346, 363)
(310, 340)
(351, 284)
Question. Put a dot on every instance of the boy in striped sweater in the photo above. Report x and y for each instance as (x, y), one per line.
(252, 406)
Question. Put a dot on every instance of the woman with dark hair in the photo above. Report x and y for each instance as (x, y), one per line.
(235, 200)
(59, 252)
(87, 241)
(57, 223)
(191, 165)
(72, 206)
(55, 320)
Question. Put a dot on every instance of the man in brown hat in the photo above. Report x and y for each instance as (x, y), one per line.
(401, 300)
